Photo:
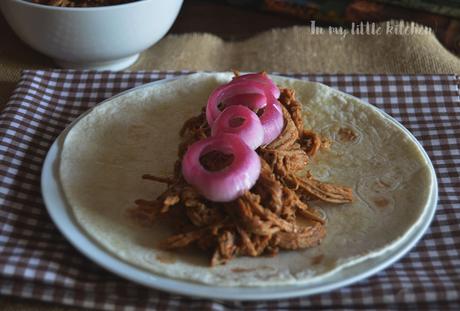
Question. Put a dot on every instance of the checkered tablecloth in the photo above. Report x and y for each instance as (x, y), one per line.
(37, 262)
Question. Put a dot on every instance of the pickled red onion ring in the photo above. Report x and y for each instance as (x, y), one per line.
(261, 77)
(272, 120)
(228, 183)
(253, 101)
(241, 121)
(229, 90)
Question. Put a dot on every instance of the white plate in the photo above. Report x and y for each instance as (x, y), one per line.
(62, 216)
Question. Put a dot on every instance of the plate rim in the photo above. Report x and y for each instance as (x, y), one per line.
(62, 216)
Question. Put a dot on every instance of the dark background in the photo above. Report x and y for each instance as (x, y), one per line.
(235, 22)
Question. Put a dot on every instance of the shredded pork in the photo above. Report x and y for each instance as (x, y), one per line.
(264, 219)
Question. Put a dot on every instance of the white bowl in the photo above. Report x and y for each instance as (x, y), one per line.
(108, 37)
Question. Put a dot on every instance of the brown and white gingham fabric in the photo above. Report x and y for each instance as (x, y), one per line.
(37, 262)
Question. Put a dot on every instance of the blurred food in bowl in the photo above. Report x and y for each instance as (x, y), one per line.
(81, 3)
(105, 37)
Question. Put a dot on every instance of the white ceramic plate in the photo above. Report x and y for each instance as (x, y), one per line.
(62, 216)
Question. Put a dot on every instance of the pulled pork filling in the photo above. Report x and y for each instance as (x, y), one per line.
(261, 221)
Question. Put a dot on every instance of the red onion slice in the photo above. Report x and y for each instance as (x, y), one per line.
(253, 101)
(241, 121)
(228, 183)
(261, 77)
(272, 120)
(229, 90)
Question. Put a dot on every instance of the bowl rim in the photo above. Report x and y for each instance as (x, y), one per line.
(81, 9)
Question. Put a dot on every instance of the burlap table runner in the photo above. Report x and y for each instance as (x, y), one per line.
(294, 49)
(286, 50)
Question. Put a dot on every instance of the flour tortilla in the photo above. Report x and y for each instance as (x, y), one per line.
(105, 154)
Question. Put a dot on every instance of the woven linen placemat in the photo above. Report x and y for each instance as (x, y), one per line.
(37, 262)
